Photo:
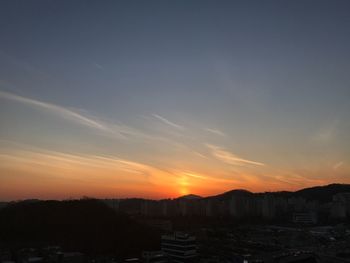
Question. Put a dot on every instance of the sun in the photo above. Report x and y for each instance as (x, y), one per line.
(183, 185)
(184, 191)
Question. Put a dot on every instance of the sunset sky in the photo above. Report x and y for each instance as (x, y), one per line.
(159, 99)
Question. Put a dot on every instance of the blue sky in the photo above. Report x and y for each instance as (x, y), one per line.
(237, 92)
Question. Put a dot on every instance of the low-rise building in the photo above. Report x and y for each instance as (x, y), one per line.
(306, 218)
(154, 257)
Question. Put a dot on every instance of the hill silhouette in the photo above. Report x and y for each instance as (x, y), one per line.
(85, 225)
(189, 197)
(233, 193)
(322, 194)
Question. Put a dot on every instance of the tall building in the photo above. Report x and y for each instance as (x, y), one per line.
(179, 247)
(342, 201)
(268, 206)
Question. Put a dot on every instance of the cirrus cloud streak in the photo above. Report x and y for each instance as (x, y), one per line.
(61, 111)
(230, 158)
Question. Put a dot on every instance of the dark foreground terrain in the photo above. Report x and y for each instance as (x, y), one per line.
(88, 226)
(310, 225)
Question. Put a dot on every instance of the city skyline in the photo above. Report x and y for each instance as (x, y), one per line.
(161, 99)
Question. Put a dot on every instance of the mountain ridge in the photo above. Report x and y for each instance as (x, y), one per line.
(322, 193)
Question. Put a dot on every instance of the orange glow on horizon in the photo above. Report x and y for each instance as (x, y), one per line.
(53, 175)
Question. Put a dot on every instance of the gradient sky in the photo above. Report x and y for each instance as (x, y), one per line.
(162, 98)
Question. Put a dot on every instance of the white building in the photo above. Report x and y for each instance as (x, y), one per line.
(179, 247)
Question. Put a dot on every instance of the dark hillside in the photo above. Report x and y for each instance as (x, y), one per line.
(86, 225)
(322, 193)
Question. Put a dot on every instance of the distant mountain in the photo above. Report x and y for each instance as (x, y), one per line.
(322, 194)
(190, 197)
(232, 193)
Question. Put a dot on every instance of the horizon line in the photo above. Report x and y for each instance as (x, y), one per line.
(169, 198)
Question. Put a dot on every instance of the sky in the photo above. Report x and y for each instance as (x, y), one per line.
(158, 99)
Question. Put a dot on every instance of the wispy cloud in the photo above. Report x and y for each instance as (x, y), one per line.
(96, 166)
(326, 133)
(200, 155)
(59, 110)
(337, 165)
(166, 121)
(208, 178)
(108, 127)
(215, 131)
(98, 66)
(230, 158)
